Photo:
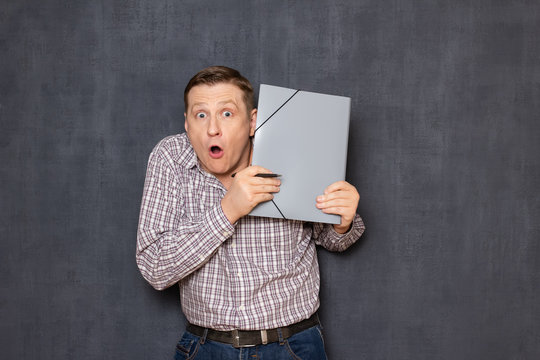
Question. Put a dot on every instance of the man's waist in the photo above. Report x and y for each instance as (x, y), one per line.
(246, 338)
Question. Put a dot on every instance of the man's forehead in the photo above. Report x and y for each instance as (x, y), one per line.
(215, 94)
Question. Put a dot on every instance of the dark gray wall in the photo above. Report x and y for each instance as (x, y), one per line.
(444, 149)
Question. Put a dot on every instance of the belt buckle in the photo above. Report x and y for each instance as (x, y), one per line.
(264, 337)
(235, 338)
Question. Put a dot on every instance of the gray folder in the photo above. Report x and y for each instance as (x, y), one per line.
(302, 136)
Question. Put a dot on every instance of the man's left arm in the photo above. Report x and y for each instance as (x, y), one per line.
(340, 198)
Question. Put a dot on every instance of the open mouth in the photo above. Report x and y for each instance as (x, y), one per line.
(216, 152)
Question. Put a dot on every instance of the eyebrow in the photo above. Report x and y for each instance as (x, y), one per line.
(228, 101)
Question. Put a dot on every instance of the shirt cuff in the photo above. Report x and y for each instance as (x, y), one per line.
(219, 224)
(354, 233)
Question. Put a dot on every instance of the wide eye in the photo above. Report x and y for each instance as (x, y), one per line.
(227, 113)
(200, 115)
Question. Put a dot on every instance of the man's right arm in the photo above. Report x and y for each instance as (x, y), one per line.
(169, 245)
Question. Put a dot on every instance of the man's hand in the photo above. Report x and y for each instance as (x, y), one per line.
(340, 198)
(246, 191)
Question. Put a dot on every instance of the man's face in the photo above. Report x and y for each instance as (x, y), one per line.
(219, 126)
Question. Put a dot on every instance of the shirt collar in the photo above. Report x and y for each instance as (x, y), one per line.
(189, 158)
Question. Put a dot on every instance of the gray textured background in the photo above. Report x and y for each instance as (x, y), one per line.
(444, 149)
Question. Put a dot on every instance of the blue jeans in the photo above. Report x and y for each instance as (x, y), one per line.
(305, 345)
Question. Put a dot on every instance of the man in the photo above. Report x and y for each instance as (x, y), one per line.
(249, 286)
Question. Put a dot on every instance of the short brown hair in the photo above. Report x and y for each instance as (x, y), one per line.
(221, 74)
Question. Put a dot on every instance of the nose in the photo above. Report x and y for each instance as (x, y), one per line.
(213, 127)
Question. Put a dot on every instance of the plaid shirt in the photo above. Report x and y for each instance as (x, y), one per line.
(259, 273)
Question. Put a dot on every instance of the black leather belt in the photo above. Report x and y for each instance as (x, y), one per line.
(245, 338)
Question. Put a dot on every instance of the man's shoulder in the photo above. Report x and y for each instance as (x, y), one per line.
(177, 142)
(176, 149)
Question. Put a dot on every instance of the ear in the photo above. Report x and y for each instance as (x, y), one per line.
(252, 122)
(185, 122)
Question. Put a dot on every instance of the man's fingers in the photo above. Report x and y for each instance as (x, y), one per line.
(341, 194)
(343, 203)
(334, 210)
(255, 169)
(259, 184)
(338, 185)
(259, 181)
(332, 196)
(266, 189)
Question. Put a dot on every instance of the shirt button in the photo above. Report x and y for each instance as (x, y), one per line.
(201, 257)
(242, 307)
(226, 234)
(239, 274)
(233, 245)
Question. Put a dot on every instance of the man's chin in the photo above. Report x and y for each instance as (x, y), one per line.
(218, 171)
